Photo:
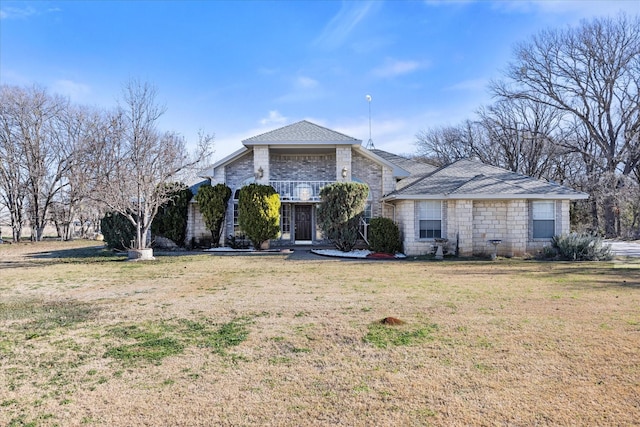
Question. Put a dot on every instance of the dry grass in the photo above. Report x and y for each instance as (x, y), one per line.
(88, 339)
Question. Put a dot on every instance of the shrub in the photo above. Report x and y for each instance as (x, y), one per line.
(212, 203)
(237, 242)
(581, 247)
(171, 219)
(384, 236)
(341, 208)
(259, 213)
(117, 230)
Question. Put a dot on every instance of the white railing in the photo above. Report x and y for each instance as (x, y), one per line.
(364, 230)
(299, 190)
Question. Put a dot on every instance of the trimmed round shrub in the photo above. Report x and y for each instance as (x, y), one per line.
(384, 236)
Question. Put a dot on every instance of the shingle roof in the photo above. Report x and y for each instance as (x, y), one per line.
(413, 166)
(471, 179)
(302, 132)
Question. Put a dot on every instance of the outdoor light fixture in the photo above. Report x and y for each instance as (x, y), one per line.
(303, 192)
(344, 172)
(260, 172)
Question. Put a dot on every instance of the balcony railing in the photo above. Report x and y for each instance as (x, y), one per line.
(299, 190)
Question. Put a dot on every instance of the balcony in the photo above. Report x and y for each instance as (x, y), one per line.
(299, 191)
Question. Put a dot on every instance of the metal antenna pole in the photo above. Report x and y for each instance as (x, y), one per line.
(370, 142)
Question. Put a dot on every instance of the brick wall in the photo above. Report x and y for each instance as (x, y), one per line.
(197, 233)
(371, 174)
(460, 226)
(303, 167)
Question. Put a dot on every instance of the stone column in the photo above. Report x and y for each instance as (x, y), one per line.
(261, 164)
(343, 164)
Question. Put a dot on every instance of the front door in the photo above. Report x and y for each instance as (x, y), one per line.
(303, 222)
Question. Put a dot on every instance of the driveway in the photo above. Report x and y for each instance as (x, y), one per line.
(620, 248)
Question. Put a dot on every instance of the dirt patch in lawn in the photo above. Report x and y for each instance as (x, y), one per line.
(88, 338)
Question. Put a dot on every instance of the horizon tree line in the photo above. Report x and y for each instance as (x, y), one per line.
(61, 162)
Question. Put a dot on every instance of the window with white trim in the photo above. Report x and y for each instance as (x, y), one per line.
(430, 219)
(285, 221)
(544, 219)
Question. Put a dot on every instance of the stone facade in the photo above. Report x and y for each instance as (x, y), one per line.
(303, 167)
(471, 224)
(197, 233)
(325, 156)
(370, 173)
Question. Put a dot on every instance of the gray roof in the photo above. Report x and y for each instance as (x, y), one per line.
(302, 132)
(415, 167)
(467, 179)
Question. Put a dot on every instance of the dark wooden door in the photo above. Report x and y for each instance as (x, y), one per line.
(303, 222)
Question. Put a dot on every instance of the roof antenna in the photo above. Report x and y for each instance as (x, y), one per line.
(370, 142)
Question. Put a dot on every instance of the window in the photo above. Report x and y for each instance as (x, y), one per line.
(544, 219)
(368, 210)
(430, 219)
(236, 225)
(285, 221)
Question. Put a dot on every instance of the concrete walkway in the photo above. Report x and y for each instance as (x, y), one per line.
(620, 248)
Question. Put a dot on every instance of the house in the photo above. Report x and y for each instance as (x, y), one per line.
(466, 204)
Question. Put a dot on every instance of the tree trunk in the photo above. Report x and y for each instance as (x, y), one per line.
(609, 216)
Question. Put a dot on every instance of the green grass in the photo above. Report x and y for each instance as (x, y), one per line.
(293, 342)
(385, 336)
(152, 342)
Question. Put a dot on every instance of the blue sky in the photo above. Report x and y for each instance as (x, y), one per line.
(237, 69)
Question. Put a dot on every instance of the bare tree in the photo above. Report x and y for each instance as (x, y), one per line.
(37, 151)
(445, 145)
(13, 178)
(527, 135)
(590, 73)
(135, 158)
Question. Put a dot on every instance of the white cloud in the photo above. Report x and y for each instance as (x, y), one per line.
(336, 32)
(274, 118)
(77, 92)
(11, 12)
(302, 89)
(17, 12)
(394, 68)
(470, 85)
(306, 82)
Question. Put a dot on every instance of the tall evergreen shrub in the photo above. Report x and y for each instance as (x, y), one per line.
(117, 230)
(259, 213)
(384, 236)
(171, 219)
(212, 203)
(341, 208)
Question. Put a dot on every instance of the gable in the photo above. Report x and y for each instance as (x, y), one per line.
(302, 133)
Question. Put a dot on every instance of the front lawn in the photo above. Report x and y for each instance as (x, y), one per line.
(87, 338)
